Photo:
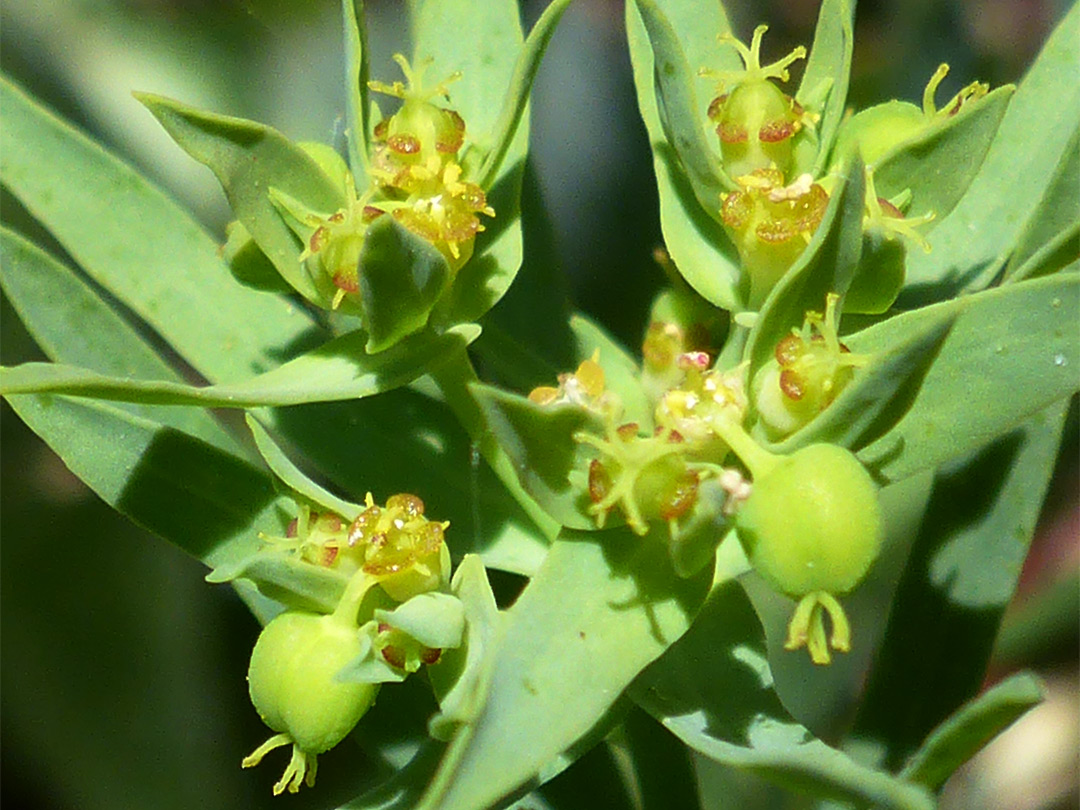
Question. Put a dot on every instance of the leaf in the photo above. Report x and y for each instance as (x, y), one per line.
(960, 576)
(679, 110)
(51, 299)
(714, 690)
(940, 163)
(434, 619)
(539, 439)
(827, 265)
(602, 607)
(402, 275)
(881, 392)
(294, 478)
(249, 159)
(337, 370)
(357, 102)
(210, 504)
(517, 93)
(692, 235)
(141, 246)
(970, 247)
(1019, 338)
(956, 740)
(1051, 238)
(829, 69)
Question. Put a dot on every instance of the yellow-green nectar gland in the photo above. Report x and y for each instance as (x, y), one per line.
(771, 224)
(704, 398)
(584, 388)
(444, 211)
(809, 369)
(646, 476)
(755, 120)
(338, 239)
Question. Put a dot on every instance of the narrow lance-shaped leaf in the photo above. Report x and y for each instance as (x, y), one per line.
(517, 94)
(357, 104)
(1005, 341)
(1051, 239)
(680, 110)
(72, 324)
(714, 690)
(338, 370)
(692, 234)
(293, 477)
(960, 737)
(210, 504)
(601, 608)
(142, 247)
(960, 576)
(828, 72)
(248, 160)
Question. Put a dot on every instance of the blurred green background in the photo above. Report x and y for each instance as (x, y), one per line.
(121, 671)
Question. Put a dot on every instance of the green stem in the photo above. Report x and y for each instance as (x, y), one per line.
(756, 458)
(349, 606)
(452, 378)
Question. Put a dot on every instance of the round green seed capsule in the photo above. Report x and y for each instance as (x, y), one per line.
(813, 522)
(293, 684)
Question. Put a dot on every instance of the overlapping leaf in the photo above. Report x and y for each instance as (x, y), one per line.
(602, 607)
(714, 690)
(143, 248)
(1020, 338)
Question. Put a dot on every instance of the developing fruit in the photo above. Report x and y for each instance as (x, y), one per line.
(811, 526)
(293, 684)
(755, 120)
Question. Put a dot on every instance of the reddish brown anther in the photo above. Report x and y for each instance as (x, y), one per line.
(599, 481)
(788, 349)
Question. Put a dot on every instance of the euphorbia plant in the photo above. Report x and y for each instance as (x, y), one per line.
(861, 304)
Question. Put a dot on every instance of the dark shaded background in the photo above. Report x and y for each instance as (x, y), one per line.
(122, 671)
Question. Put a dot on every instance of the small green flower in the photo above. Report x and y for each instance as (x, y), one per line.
(808, 370)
